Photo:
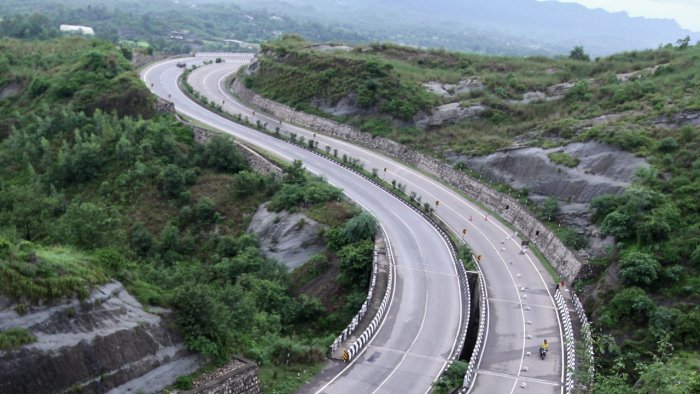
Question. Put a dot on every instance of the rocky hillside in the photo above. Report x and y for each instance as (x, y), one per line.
(608, 146)
(86, 334)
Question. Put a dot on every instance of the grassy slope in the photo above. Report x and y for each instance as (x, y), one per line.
(651, 302)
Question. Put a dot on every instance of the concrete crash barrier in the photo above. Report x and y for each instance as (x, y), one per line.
(470, 375)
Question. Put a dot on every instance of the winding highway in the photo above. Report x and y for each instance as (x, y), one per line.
(419, 332)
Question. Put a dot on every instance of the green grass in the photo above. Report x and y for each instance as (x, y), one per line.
(34, 273)
(564, 159)
(281, 379)
(13, 338)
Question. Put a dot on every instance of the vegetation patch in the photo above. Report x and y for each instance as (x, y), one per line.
(564, 159)
(13, 338)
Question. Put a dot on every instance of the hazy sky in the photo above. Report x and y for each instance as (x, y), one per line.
(685, 12)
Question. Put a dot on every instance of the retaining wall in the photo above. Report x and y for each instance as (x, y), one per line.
(566, 262)
(241, 380)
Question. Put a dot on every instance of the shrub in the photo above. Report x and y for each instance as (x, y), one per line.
(13, 338)
(287, 350)
(362, 227)
(631, 305)
(222, 155)
(564, 159)
(638, 268)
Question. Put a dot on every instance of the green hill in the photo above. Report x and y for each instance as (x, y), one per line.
(643, 293)
(97, 186)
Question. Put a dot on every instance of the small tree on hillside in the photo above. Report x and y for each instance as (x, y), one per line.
(683, 42)
(579, 54)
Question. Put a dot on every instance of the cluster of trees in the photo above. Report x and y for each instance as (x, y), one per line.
(136, 199)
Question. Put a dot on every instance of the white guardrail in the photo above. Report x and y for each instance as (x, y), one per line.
(569, 343)
(586, 336)
(354, 348)
(470, 375)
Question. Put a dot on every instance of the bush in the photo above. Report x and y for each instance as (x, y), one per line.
(13, 338)
(184, 382)
(362, 227)
(205, 321)
(452, 378)
(564, 159)
(631, 305)
(172, 181)
(222, 155)
(141, 239)
(356, 264)
(638, 269)
(287, 350)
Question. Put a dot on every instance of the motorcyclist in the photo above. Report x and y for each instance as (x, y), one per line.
(544, 347)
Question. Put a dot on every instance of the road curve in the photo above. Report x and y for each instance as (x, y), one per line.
(522, 311)
(419, 332)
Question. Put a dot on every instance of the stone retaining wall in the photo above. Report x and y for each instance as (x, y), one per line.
(567, 263)
(241, 380)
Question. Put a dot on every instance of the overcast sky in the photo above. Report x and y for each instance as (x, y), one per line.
(685, 12)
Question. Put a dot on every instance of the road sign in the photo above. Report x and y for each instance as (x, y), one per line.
(346, 355)
(478, 258)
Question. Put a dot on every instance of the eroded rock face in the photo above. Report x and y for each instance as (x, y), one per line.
(290, 238)
(348, 105)
(97, 345)
(603, 169)
(450, 113)
(464, 86)
(683, 118)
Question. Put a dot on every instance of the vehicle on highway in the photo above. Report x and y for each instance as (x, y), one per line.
(544, 347)
(182, 64)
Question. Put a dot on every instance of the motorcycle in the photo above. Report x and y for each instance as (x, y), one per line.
(543, 353)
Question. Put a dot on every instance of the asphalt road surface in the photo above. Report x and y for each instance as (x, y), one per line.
(413, 344)
(521, 310)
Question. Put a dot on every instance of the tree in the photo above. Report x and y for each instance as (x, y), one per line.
(221, 154)
(204, 320)
(579, 54)
(362, 227)
(630, 305)
(356, 264)
(638, 269)
(550, 209)
(295, 173)
(247, 183)
(91, 226)
(683, 42)
(172, 180)
(141, 239)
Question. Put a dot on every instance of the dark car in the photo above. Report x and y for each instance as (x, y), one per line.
(182, 64)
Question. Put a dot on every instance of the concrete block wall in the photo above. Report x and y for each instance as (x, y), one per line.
(566, 262)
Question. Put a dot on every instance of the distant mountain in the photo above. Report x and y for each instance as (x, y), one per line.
(494, 26)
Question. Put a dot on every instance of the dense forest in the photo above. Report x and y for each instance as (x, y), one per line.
(643, 292)
(97, 186)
